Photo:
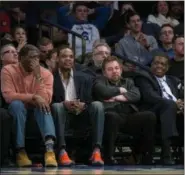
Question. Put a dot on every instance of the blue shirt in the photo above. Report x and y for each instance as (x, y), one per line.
(169, 52)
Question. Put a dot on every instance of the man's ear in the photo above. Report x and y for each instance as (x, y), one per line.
(160, 38)
(103, 72)
(47, 62)
(167, 67)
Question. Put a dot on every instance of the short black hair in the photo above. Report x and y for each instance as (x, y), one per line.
(129, 14)
(167, 25)
(62, 47)
(79, 3)
(27, 48)
(17, 27)
(160, 54)
(154, 8)
(50, 53)
(44, 41)
(176, 37)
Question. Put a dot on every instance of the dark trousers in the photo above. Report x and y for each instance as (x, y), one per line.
(94, 113)
(180, 127)
(140, 125)
(5, 133)
(166, 111)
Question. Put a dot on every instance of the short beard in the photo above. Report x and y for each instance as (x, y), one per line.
(98, 64)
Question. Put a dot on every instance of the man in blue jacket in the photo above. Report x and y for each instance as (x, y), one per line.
(77, 21)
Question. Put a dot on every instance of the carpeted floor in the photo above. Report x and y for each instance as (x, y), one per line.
(83, 169)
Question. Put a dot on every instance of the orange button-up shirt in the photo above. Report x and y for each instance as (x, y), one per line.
(16, 84)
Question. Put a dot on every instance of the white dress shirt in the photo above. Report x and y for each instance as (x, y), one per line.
(69, 87)
(166, 91)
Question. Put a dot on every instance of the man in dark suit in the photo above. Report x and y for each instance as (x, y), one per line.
(161, 94)
(118, 96)
(72, 101)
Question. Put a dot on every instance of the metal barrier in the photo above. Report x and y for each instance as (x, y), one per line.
(44, 22)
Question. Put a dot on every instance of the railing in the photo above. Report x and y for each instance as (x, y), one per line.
(44, 22)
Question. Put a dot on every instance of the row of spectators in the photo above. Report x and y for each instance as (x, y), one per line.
(114, 94)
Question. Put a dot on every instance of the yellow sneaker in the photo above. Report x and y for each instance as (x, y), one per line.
(22, 159)
(50, 159)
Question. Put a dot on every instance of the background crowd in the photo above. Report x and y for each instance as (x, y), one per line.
(42, 76)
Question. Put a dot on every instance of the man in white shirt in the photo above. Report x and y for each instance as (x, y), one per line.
(72, 104)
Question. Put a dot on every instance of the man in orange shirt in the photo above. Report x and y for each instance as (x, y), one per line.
(28, 86)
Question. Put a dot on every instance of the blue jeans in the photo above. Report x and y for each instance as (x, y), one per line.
(19, 113)
(95, 112)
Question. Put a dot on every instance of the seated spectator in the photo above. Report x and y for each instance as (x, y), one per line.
(136, 45)
(68, 20)
(5, 132)
(160, 94)
(8, 55)
(166, 37)
(113, 24)
(177, 10)
(17, 15)
(118, 96)
(161, 15)
(51, 60)
(147, 29)
(126, 6)
(179, 29)
(45, 45)
(79, 23)
(176, 67)
(27, 86)
(20, 37)
(72, 103)
(94, 66)
(5, 26)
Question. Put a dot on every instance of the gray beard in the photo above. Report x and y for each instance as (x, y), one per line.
(98, 64)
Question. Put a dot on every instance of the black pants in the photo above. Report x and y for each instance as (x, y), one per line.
(140, 125)
(180, 127)
(5, 132)
(166, 111)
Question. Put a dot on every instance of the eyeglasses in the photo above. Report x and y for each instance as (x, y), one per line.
(166, 32)
(80, 10)
(9, 51)
(102, 53)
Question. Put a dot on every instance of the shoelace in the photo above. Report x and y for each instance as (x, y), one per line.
(65, 157)
(97, 156)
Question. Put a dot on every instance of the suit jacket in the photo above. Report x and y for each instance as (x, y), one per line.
(151, 93)
(83, 86)
(104, 90)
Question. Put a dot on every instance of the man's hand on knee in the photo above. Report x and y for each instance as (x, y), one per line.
(41, 103)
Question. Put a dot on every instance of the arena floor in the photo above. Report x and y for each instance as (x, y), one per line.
(82, 169)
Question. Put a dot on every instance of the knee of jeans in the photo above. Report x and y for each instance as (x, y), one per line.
(16, 105)
(97, 105)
